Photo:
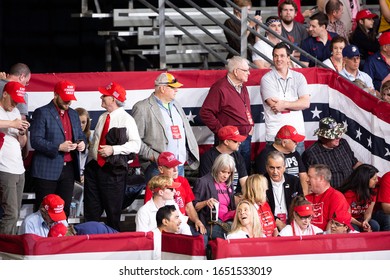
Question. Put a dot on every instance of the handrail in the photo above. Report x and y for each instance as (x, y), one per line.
(243, 38)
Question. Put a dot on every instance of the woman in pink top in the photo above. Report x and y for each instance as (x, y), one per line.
(214, 197)
(359, 190)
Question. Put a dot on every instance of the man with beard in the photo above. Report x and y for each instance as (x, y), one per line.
(292, 30)
(57, 139)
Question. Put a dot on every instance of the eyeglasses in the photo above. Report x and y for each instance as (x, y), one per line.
(170, 189)
(233, 141)
(304, 217)
(244, 70)
(337, 224)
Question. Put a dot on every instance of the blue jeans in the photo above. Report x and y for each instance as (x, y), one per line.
(152, 171)
(245, 150)
(373, 224)
(383, 220)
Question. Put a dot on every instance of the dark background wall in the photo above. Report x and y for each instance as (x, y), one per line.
(42, 34)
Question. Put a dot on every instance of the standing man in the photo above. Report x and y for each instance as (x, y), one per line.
(292, 30)
(350, 9)
(20, 73)
(104, 180)
(285, 94)
(13, 137)
(228, 103)
(57, 139)
(163, 126)
(282, 188)
(327, 202)
(318, 43)
(334, 10)
(332, 150)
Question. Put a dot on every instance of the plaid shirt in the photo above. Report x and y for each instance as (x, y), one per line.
(340, 160)
(339, 28)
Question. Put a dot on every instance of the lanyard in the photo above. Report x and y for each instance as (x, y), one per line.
(285, 88)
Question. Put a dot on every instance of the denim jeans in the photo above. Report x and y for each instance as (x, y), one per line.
(383, 219)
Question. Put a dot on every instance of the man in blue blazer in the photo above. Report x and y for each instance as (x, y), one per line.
(57, 139)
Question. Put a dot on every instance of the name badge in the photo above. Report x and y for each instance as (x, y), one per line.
(249, 117)
(175, 132)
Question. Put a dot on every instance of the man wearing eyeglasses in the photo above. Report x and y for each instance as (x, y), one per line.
(163, 126)
(285, 94)
(228, 103)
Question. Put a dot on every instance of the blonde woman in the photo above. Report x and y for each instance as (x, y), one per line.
(301, 213)
(255, 192)
(246, 222)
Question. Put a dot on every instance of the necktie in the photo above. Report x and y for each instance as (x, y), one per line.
(101, 160)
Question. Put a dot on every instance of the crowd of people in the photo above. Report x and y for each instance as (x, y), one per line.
(291, 190)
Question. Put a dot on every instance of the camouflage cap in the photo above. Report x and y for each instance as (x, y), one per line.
(330, 129)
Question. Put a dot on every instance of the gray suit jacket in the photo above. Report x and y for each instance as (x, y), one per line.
(151, 128)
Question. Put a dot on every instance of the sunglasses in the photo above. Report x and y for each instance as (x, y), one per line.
(304, 217)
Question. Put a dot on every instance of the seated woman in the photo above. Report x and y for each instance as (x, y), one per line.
(246, 222)
(255, 193)
(359, 190)
(215, 189)
(301, 212)
(335, 62)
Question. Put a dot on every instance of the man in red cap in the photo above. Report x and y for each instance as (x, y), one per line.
(286, 141)
(57, 139)
(51, 211)
(168, 166)
(377, 66)
(163, 189)
(230, 140)
(14, 137)
(163, 126)
(104, 183)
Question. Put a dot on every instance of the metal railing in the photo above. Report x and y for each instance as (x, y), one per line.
(245, 17)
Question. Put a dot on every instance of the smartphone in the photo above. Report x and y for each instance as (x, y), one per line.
(79, 140)
(314, 8)
(258, 13)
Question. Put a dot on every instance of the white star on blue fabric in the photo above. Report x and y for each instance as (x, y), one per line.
(369, 140)
(191, 117)
(387, 152)
(316, 113)
(358, 134)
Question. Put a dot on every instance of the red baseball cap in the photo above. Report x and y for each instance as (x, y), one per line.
(343, 217)
(65, 90)
(365, 14)
(167, 159)
(289, 132)
(230, 132)
(54, 206)
(304, 210)
(384, 39)
(16, 91)
(115, 90)
(58, 230)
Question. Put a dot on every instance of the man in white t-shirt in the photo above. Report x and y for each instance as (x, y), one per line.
(13, 132)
